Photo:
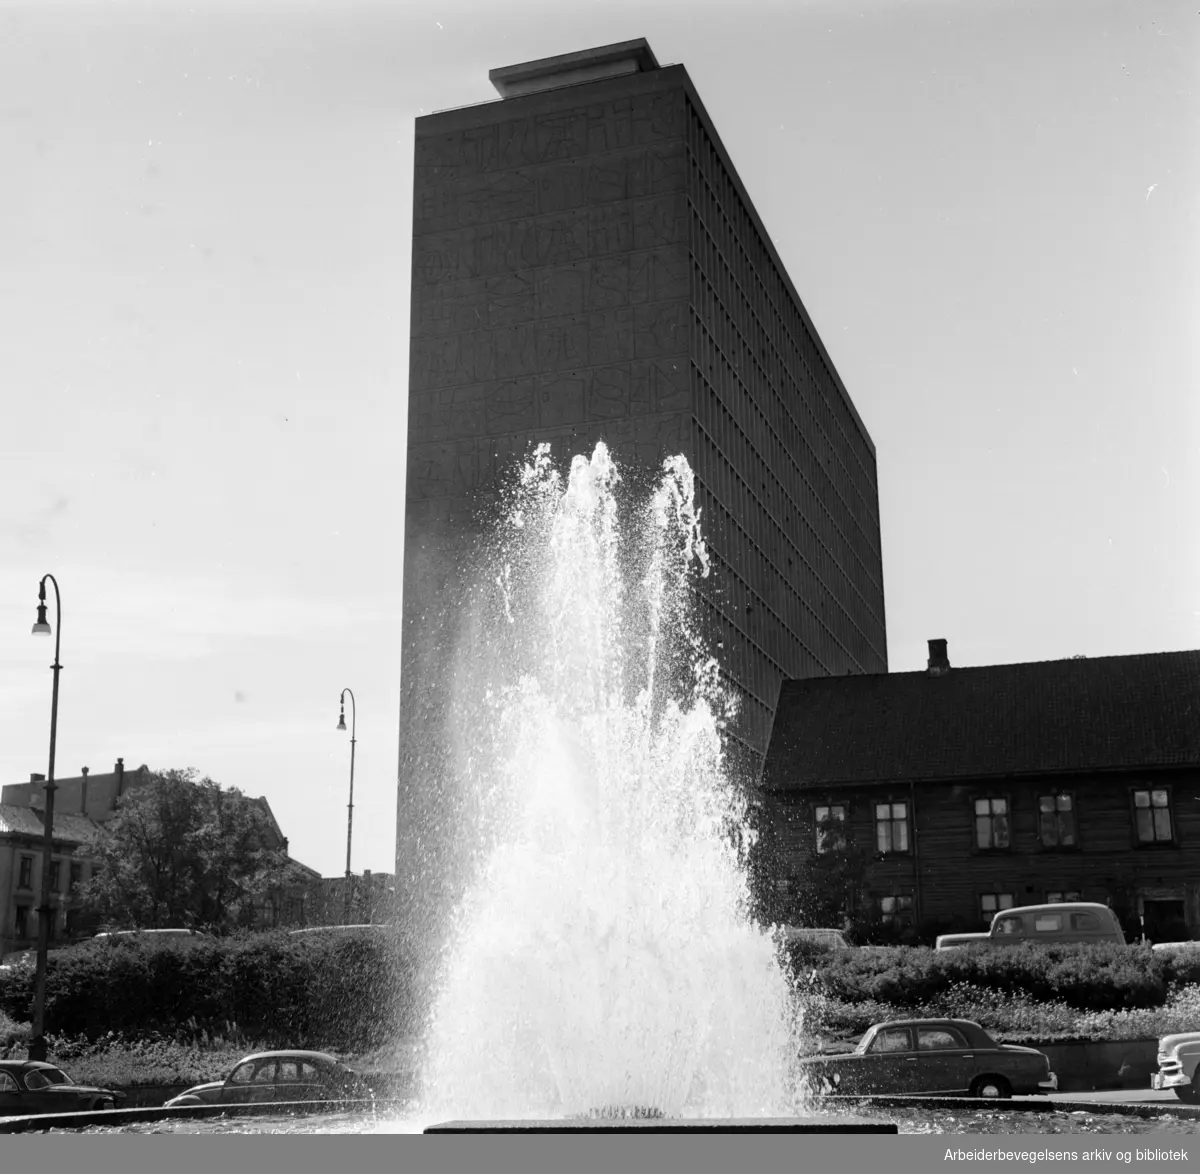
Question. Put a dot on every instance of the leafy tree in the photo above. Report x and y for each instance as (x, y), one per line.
(184, 851)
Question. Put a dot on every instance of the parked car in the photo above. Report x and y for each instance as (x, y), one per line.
(29, 1086)
(1175, 947)
(956, 941)
(950, 1056)
(280, 1076)
(833, 938)
(113, 935)
(1178, 1056)
(1064, 921)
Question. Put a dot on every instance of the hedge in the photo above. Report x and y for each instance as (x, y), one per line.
(1085, 977)
(347, 990)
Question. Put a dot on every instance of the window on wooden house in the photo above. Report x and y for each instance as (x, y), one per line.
(25, 873)
(1057, 896)
(991, 903)
(896, 909)
(991, 823)
(830, 823)
(1152, 816)
(891, 827)
(1056, 820)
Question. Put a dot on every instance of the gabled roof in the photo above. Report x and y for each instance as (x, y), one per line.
(31, 821)
(1044, 717)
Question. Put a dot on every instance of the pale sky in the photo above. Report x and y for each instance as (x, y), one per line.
(989, 209)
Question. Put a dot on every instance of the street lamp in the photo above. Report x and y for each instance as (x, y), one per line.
(350, 806)
(37, 1042)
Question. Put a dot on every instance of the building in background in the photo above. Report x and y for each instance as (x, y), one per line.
(372, 900)
(588, 266)
(82, 806)
(932, 799)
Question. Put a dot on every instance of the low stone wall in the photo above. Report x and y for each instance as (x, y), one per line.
(1087, 1066)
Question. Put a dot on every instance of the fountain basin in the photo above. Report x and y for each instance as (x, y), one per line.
(699, 1125)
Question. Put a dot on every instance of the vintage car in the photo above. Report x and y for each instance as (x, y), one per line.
(947, 1056)
(1178, 1056)
(959, 941)
(1056, 923)
(30, 1086)
(280, 1077)
(832, 939)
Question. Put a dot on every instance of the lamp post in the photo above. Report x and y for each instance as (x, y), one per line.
(350, 806)
(37, 1042)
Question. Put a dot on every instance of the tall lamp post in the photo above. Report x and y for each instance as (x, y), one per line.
(350, 806)
(37, 1042)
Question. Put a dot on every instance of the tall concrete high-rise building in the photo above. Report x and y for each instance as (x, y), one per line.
(587, 265)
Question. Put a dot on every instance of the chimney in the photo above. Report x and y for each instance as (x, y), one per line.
(119, 771)
(939, 660)
(37, 778)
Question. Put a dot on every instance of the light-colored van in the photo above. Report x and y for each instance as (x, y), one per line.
(1066, 921)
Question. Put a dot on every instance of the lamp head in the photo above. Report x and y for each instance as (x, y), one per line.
(342, 720)
(42, 627)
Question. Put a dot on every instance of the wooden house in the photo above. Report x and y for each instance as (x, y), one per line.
(923, 802)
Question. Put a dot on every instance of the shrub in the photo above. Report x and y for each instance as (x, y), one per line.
(1084, 977)
(348, 990)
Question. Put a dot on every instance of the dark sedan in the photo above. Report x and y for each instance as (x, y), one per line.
(280, 1077)
(27, 1086)
(946, 1056)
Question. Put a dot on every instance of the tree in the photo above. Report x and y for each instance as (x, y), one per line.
(182, 851)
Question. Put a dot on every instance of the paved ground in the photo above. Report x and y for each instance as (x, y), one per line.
(1122, 1096)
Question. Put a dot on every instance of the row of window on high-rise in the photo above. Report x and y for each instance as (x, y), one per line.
(800, 638)
(769, 416)
(767, 295)
(743, 606)
(809, 571)
(777, 544)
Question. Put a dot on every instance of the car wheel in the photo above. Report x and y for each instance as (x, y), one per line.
(991, 1088)
(1189, 1093)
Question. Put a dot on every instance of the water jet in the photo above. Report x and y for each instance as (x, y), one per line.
(603, 952)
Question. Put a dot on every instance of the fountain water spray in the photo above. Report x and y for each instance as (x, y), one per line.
(602, 961)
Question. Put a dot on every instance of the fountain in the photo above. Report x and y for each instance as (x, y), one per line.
(603, 970)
